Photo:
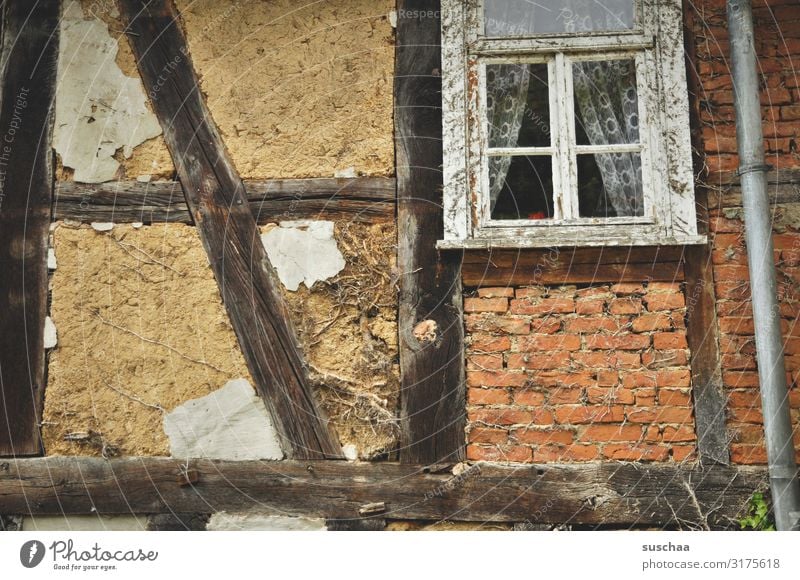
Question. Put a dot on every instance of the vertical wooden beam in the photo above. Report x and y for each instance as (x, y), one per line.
(29, 41)
(702, 331)
(218, 205)
(430, 310)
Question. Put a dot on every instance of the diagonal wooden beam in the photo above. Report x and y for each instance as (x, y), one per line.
(433, 399)
(29, 32)
(600, 493)
(218, 206)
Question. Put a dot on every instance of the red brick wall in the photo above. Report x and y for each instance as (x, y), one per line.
(777, 40)
(577, 374)
(778, 47)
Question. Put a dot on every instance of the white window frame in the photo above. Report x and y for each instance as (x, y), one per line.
(665, 143)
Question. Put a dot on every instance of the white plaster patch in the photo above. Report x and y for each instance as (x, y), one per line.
(144, 178)
(136, 225)
(230, 423)
(393, 18)
(350, 452)
(98, 109)
(225, 522)
(50, 333)
(83, 523)
(102, 226)
(347, 172)
(52, 263)
(303, 251)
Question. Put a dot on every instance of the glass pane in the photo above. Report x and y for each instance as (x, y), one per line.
(521, 187)
(606, 103)
(610, 185)
(518, 105)
(531, 17)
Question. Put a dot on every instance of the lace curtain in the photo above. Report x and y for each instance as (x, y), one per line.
(605, 96)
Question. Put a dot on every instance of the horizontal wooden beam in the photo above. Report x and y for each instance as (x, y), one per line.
(782, 187)
(361, 199)
(572, 266)
(608, 493)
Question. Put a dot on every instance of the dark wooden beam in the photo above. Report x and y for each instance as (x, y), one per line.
(361, 199)
(29, 40)
(573, 266)
(782, 187)
(702, 330)
(433, 398)
(216, 199)
(608, 493)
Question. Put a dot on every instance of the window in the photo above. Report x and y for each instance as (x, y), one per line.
(565, 123)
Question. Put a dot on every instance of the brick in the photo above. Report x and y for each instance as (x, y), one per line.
(563, 396)
(725, 225)
(745, 415)
(552, 360)
(607, 359)
(680, 433)
(506, 453)
(555, 453)
(479, 362)
(665, 358)
(496, 324)
(627, 288)
(652, 434)
(488, 397)
(731, 273)
(511, 416)
(549, 325)
(543, 436)
(485, 304)
(582, 414)
(591, 325)
(590, 306)
(607, 378)
(737, 325)
(606, 395)
(547, 342)
(752, 434)
(748, 399)
(543, 306)
(740, 379)
(651, 322)
(501, 292)
(602, 433)
(561, 379)
(640, 379)
(487, 435)
(528, 398)
(674, 397)
(664, 288)
(645, 397)
(638, 452)
(684, 453)
(669, 341)
(674, 378)
(748, 454)
(487, 343)
(530, 292)
(617, 342)
(660, 415)
(738, 361)
(495, 379)
(625, 306)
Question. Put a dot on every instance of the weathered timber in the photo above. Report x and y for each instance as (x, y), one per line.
(783, 187)
(432, 371)
(29, 41)
(356, 525)
(215, 196)
(610, 493)
(361, 199)
(573, 266)
(702, 330)
(171, 522)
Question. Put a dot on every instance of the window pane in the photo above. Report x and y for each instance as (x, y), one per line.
(610, 185)
(531, 17)
(606, 103)
(518, 105)
(521, 187)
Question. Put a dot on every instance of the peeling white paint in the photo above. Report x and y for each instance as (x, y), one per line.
(99, 110)
(230, 423)
(347, 172)
(144, 178)
(50, 334)
(137, 225)
(393, 18)
(94, 523)
(303, 251)
(225, 522)
(102, 226)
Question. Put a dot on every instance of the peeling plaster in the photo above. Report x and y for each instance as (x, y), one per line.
(50, 334)
(224, 522)
(303, 251)
(76, 523)
(230, 423)
(99, 110)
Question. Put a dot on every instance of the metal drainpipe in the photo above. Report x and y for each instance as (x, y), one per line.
(758, 231)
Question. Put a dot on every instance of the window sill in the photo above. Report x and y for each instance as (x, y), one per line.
(567, 241)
